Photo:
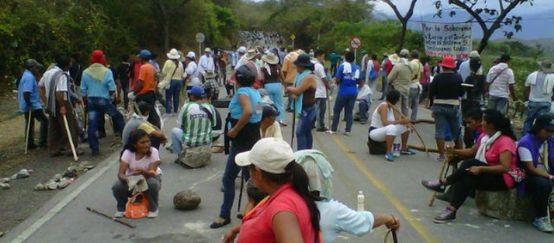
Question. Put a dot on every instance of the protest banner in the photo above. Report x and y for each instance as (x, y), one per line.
(447, 39)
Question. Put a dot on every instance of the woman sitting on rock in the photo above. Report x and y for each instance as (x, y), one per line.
(536, 155)
(493, 157)
(138, 158)
(386, 125)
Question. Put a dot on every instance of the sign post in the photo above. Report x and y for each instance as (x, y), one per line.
(200, 38)
(355, 43)
(292, 37)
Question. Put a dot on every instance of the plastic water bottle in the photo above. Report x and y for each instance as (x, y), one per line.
(396, 150)
(361, 199)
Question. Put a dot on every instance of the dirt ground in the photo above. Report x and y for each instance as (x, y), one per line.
(19, 202)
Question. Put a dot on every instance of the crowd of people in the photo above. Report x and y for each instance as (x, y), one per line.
(297, 204)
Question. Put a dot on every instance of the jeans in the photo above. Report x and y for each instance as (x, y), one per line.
(534, 109)
(231, 172)
(363, 106)
(385, 87)
(304, 129)
(177, 140)
(275, 93)
(124, 92)
(413, 99)
(499, 104)
(121, 193)
(540, 189)
(321, 108)
(404, 103)
(172, 96)
(346, 103)
(447, 117)
(97, 107)
(41, 117)
(463, 182)
(150, 98)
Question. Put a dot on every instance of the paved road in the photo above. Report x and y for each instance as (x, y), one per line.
(391, 188)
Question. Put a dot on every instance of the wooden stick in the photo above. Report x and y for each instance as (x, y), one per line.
(410, 125)
(112, 218)
(70, 138)
(422, 149)
(444, 170)
(28, 133)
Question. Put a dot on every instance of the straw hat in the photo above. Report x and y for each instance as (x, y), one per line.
(546, 66)
(250, 54)
(270, 58)
(207, 49)
(173, 54)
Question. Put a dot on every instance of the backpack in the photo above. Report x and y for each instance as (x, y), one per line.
(137, 206)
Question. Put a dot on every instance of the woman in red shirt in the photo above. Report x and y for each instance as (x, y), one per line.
(289, 214)
(493, 157)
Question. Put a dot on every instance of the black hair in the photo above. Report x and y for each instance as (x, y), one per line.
(349, 56)
(474, 114)
(153, 56)
(414, 54)
(296, 175)
(76, 56)
(500, 122)
(373, 57)
(269, 111)
(144, 107)
(318, 53)
(540, 123)
(134, 137)
(62, 61)
(393, 96)
(124, 58)
(245, 75)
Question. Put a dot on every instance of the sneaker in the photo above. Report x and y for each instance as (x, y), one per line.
(331, 132)
(119, 214)
(396, 153)
(407, 152)
(389, 156)
(446, 216)
(543, 225)
(153, 214)
(346, 133)
(434, 185)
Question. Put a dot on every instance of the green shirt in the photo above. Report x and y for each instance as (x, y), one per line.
(197, 123)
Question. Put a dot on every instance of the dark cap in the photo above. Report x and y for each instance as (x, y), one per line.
(304, 60)
(505, 58)
(31, 63)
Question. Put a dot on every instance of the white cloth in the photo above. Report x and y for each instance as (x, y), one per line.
(379, 134)
(337, 218)
(319, 71)
(47, 78)
(540, 86)
(500, 86)
(364, 92)
(273, 131)
(192, 72)
(376, 117)
(486, 143)
(206, 64)
(346, 68)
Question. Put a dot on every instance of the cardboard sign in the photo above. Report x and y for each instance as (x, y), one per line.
(447, 39)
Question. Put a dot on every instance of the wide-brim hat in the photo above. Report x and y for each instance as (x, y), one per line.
(207, 49)
(250, 54)
(304, 60)
(448, 62)
(270, 58)
(546, 66)
(173, 54)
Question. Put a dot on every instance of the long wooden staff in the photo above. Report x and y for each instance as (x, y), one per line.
(28, 133)
(70, 137)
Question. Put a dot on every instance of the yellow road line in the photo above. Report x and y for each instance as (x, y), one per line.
(388, 195)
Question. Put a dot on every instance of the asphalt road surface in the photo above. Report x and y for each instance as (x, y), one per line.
(391, 188)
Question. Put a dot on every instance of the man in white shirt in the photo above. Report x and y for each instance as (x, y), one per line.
(500, 85)
(538, 92)
(322, 89)
(54, 87)
(206, 65)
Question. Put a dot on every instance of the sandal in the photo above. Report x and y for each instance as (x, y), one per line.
(216, 224)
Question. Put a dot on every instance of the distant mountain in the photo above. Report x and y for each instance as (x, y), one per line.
(538, 25)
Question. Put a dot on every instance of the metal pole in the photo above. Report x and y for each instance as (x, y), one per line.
(355, 54)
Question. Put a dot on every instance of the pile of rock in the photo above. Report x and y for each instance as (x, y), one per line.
(24, 173)
(61, 181)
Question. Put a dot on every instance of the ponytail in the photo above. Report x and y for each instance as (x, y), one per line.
(300, 183)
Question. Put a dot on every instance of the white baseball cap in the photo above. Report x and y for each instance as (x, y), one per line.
(269, 154)
(241, 49)
(191, 54)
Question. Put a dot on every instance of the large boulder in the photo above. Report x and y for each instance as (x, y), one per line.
(505, 205)
(186, 200)
(195, 157)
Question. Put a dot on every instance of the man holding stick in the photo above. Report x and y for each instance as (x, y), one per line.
(55, 85)
(29, 103)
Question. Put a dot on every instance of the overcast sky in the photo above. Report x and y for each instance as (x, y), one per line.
(424, 7)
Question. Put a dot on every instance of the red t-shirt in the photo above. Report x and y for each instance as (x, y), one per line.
(148, 76)
(502, 144)
(388, 66)
(258, 227)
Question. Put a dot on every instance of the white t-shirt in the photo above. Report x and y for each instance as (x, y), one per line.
(206, 64)
(535, 82)
(47, 78)
(129, 158)
(500, 86)
(192, 71)
(319, 72)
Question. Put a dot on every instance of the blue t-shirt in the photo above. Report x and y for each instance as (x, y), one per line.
(236, 110)
(348, 83)
(97, 88)
(28, 83)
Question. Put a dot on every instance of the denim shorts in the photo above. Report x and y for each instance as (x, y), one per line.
(447, 121)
